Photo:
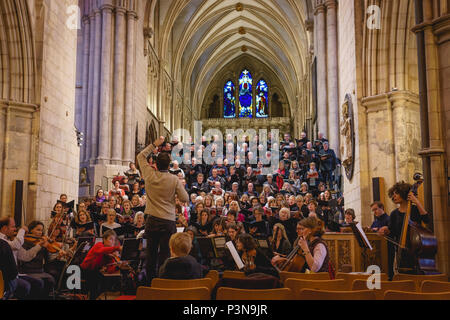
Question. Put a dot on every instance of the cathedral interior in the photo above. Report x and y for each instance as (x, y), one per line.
(85, 85)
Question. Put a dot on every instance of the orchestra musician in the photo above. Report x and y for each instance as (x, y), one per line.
(312, 247)
(401, 194)
(99, 257)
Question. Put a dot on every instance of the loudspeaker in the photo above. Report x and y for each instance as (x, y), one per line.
(378, 190)
(17, 203)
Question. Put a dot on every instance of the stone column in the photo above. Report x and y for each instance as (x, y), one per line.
(119, 87)
(105, 87)
(129, 91)
(94, 84)
(85, 84)
(321, 55)
(332, 74)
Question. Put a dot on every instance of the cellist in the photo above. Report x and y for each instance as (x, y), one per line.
(401, 194)
(309, 244)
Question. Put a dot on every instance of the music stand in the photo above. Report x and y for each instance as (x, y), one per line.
(362, 241)
(130, 251)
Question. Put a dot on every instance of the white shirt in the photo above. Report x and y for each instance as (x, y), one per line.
(16, 246)
(319, 254)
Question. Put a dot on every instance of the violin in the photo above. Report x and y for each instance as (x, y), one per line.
(51, 246)
(248, 258)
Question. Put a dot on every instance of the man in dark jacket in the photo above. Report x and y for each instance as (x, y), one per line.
(180, 265)
(8, 268)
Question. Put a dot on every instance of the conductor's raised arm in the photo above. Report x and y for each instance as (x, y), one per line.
(142, 157)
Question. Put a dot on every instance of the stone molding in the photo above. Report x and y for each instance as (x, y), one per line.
(392, 99)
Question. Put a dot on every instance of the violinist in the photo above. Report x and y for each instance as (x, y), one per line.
(312, 247)
(60, 220)
(97, 258)
(400, 194)
(254, 260)
(34, 256)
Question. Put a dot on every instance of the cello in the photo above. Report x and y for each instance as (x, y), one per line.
(417, 248)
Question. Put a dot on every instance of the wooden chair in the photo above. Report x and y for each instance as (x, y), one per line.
(148, 293)
(406, 285)
(224, 293)
(305, 276)
(233, 274)
(350, 277)
(401, 295)
(429, 286)
(311, 294)
(418, 279)
(213, 275)
(182, 284)
(2, 286)
(330, 285)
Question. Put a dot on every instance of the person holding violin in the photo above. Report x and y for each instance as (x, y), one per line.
(59, 220)
(309, 246)
(35, 255)
(401, 195)
(254, 260)
(99, 257)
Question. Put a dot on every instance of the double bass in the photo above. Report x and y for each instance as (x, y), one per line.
(417, 248)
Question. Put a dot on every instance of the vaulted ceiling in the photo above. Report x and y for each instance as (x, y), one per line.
(199, 37)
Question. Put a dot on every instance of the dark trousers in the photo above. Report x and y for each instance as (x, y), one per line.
(391, 256)
(94, 283)
(42, 284)
(157, 232)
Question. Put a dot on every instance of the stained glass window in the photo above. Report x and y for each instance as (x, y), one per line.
(245, 95)
(229, 100)
(262, 92)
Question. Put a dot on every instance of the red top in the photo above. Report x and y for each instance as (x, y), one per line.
(98, 257)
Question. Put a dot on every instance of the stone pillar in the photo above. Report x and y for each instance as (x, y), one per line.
(85, 84)
(332, 74)
(119, 87)
(94, 82)
(321, 55)
(105, 88)
(129, 91)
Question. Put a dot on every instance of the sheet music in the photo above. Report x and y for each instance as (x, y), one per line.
(180, 229)
(363, 234)
(235, 255)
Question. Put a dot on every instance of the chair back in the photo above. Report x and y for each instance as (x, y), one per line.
(401, 295)
(148, 293)
(350, 277)
(330, 285)
(233, 274)
(311, 294)
(418, 279)
(213, 275)
(180, 284)
(224, 293)
(429, 286)
(305, 276)
(406, 285)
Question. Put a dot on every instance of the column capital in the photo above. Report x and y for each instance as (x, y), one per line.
(132, 15)
(330, 4)
(320, 8)
(121, 10)
(107, 8)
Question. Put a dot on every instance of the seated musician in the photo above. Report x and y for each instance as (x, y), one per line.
(218, 229)
(253, 258)
(381, 218)
(180, 265)
(280, 242)
(34, 256)
(82, 225)
(232, 232)
(99, 258)
(400, 194)
(110, 223)
(313, 248)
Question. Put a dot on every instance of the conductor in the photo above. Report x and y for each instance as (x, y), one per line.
(161, 188)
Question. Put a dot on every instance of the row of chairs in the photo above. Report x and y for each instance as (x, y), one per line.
(316, 286)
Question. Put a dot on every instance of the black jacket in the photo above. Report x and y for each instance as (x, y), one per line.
(181, 268)
(8, 265)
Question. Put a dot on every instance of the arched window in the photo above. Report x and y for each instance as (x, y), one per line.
(245, 95)
(229, 100)
(262, 93)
